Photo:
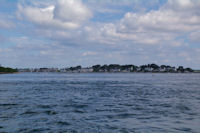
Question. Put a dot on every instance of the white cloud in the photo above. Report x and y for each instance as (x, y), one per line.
(71, 11)
(155, 27)
(183, 3)
(163, 20)
(64, 14)
(160, 26)
(89, 53)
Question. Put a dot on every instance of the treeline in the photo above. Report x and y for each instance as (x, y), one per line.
(7, 70)
(115, 68)
(142, 68)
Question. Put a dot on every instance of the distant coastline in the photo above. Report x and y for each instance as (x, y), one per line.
(112, 68)
(115, 68)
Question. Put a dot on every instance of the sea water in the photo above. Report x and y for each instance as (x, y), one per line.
(100, 103)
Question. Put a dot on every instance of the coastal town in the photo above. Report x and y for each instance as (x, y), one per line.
(114, 68)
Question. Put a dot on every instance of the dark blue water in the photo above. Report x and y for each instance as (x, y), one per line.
(100, 103)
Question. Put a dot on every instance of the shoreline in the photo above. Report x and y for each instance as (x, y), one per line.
(112, 72)
(8, 72)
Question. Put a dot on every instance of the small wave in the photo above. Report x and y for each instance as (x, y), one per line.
(8, 104)
(121, 116)
(45, 106)
(50, 112)
(38, 130)
(29, 113)
(76, 105)
(63, 123)
(79, 111)
(184, 129)
(183, 108)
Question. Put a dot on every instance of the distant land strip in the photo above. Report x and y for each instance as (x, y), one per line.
(115, 68)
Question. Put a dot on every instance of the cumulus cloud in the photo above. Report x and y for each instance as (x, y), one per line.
(71, 11)
(182, 4)
(163, 26)
(68, 14)
(157, 26)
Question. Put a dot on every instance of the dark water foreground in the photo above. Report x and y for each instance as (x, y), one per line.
(100, 103)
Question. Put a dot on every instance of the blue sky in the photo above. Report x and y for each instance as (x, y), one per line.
(62, 33)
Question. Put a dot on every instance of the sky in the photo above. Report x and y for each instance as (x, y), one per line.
(63, 33)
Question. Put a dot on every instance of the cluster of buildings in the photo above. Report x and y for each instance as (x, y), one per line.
(80, 70)
(114, 68)
(63, 70)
